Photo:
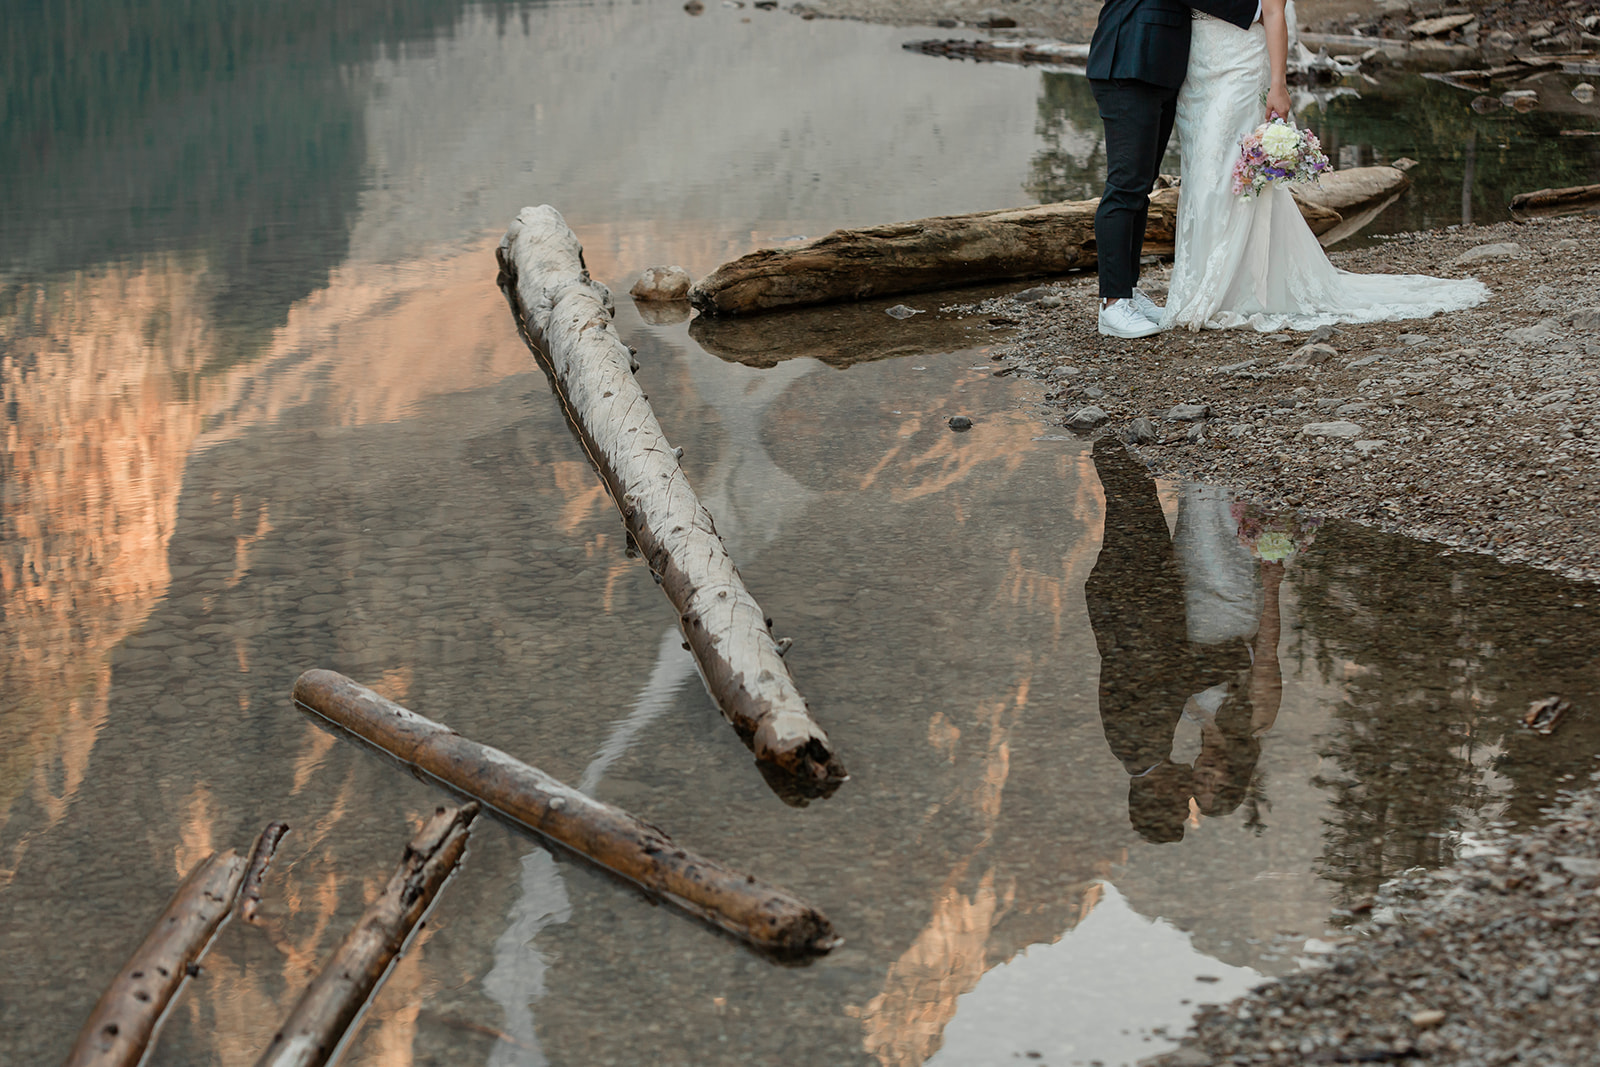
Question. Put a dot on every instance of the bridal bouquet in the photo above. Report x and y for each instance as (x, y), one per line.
(1276, 537)
(1276, 152)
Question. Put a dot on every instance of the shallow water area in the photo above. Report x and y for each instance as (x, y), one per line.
(265, 410)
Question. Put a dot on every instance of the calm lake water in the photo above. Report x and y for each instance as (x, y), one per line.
(265, 410)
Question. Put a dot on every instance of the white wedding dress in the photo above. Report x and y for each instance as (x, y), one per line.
(1255, 262)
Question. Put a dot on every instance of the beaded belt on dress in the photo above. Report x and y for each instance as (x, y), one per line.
(1203, 15)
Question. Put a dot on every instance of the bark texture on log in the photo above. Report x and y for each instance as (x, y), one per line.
(567, 320)
(261, 855)
(334, 999)
(944, 252)
(124, 1019)
(622, 843)
(1574, 196)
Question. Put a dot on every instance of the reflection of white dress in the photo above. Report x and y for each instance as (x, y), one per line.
(1256, 262)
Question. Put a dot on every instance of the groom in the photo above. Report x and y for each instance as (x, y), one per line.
(1137, 61)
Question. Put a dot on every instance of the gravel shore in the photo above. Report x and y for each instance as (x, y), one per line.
(1475, 429)
(1491, 961)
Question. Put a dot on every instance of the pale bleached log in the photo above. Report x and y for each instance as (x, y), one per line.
(944, 252)
(622, 843)
(322, 1016)
(123, 1021)
(566, 318)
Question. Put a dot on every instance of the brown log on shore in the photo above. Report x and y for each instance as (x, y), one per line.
(566, 319)
(944, 252)
(1572, 198)
(318, 1023)
(628, 846)
(123, 1021)
(261, 855)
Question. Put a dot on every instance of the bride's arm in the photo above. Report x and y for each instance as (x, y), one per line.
(1273, 20)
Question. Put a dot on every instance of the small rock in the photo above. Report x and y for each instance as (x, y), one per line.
(1485, 104)
(1085, 419)
(1404, 163)
(1186, 1056)
(1501, 250)
(1093, 392)
(996, 20)
(960, 423)
(1367, 448)
(1323, 333)
(1034, 295)
(658, 284)
(1314, 352)
(1188, 412)
(1414, 339)
(1365, 361)
(694, 7)
(1065, 372)
(1142, 431)
(1355, 407)
(1427, 1019)
(1196, 434)
(1337, 428)
(1581, 866)
(1583, 93)
(1587, 320)
(1500, 41)
(1539, 331)
(901, 311)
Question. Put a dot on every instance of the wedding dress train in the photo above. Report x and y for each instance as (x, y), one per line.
(1256, 262)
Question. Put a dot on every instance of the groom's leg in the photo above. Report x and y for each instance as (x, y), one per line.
(1138, 120)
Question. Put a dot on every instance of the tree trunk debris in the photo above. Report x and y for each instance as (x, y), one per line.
(628, 846)
(566, 319)
(944, 252)
(261, 855)
(123, 1021)
(1555, 201)
(318, 1024)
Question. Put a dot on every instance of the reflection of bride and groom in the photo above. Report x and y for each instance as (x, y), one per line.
(1187, 628)
(1206, 68)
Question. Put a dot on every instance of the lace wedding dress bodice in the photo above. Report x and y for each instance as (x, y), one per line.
(1256, 262)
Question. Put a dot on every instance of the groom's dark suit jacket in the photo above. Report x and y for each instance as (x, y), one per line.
(1148, 40)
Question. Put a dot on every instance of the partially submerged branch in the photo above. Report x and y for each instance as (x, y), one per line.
(334, 999)
(123, 1021)
(622, 843)
(261, 855)
(566, 318)
(944, 252)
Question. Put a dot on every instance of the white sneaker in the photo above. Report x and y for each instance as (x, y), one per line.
(1146, 307)
(1121, 320)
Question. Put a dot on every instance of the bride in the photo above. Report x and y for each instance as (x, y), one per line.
(1255, 262)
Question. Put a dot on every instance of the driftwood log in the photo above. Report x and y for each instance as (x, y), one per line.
(1572, 198)
(333, 1000)
(566, 318)
(123, 1021)
(261, 855)
(944, 252)
(628, 846)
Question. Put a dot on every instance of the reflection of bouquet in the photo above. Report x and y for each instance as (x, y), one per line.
(1276, 152)
(1276, 537)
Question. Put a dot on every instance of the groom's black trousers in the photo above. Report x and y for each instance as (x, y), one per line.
(1138, 120)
